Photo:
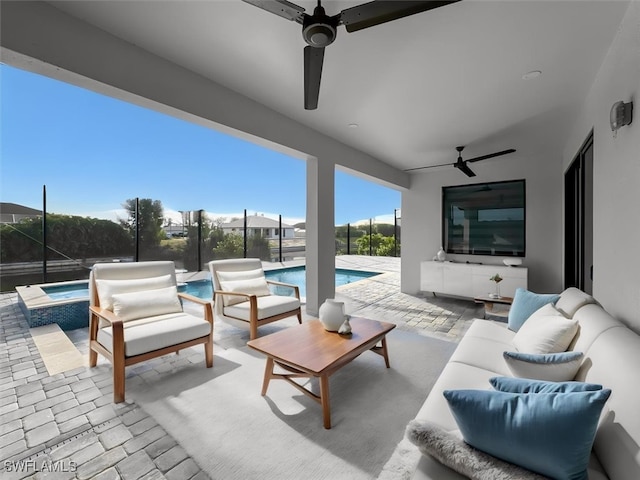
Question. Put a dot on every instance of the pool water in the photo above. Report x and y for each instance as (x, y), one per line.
(203, 288)
(68, 292)
(293, 275)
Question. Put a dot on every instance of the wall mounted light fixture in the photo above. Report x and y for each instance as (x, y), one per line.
(621, 115)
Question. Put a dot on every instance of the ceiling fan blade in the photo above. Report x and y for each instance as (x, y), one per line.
(313, 58)
(428, 166)
(282, 8)
(464, 168)
(377, 12)
(491, 155)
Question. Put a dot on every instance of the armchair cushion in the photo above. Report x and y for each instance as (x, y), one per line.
(108, 288)
(252, 282)
(146, 303)
(268, 306)
(152, 333)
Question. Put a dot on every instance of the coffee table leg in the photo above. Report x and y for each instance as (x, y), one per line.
(385, 353)
(268, 373)
(324, 400)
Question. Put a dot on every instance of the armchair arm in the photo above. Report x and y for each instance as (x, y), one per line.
(295, 288)
(224, 292)
(116, 324)
(207, 304)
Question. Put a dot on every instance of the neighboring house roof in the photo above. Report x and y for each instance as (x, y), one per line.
(15, 209)
(255, 221)
(12, 212)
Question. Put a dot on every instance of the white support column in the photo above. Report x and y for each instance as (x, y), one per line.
(320, 226)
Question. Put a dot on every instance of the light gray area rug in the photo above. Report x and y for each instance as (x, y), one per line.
(232, 432)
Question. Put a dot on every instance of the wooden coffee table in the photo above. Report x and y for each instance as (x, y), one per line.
(308, 350)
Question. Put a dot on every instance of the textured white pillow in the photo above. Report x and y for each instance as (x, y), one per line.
(546, 331)
(146, 303)
(550, 367)
(108, 288)
(239, 275)
(571, 300)
(251, 286)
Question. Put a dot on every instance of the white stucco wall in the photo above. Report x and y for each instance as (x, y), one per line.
(616, 282)
(422, 216)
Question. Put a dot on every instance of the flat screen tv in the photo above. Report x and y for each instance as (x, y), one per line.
(484, 218)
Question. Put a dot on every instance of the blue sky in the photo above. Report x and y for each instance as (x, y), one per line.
(94, 152)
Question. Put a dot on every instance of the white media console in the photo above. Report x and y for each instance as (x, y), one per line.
(470, 279)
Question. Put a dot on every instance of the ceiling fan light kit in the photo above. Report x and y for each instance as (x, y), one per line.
(320, 30)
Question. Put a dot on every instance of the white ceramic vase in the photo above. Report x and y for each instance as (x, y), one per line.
(441, 255)
(331, 314)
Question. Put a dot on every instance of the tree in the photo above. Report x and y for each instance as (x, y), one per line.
(149, 222)
(232, 246)
(380, 245)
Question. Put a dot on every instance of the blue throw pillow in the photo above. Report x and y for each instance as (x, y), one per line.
(524, 304)
(552, 367)
(547, 433)
(525, 385)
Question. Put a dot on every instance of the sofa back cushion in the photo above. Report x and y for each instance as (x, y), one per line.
(613, 360)
(571, 300)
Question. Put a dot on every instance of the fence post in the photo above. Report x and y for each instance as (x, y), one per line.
(280, 238)
(199, 240)
(137, 213)
(44, 234)
(348, 239)
(370, 236)
(245, 234)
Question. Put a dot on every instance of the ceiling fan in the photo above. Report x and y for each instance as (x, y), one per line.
(461, 164)
(319, 30)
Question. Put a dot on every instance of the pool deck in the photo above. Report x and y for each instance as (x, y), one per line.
(68, 416)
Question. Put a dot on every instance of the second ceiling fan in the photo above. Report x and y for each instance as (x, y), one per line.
(461, 164)
(319, 30)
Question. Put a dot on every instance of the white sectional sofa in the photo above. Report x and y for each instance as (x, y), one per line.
(611, 358)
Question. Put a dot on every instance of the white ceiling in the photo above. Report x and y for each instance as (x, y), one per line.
(417, 87)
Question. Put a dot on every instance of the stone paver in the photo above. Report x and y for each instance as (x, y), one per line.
(70, 418)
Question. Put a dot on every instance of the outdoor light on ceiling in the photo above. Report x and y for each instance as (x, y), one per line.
(621, 115)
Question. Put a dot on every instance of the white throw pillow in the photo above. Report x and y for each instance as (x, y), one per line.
(146, 303)
(108, 288)
(546, 331)
(551, 367)
(239, 275)
(251, 286)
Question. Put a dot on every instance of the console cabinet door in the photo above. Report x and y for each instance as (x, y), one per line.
(512, 278)
(457, 280)
(431, 277)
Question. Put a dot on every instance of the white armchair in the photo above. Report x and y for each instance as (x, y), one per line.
(136, 314)
(241, 292)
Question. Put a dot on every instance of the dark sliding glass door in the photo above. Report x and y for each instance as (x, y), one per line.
(578, 188)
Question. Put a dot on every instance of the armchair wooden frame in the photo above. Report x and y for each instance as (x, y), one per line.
(254, 322)
(118, 359)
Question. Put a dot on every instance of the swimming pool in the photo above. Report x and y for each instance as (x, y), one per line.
(202, 288)
(293, 275)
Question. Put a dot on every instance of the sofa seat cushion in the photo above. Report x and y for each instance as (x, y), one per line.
(454, 376)
(496, 331)
(267, 307)
(153, 333)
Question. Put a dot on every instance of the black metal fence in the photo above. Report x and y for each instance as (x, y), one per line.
(50, 247)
